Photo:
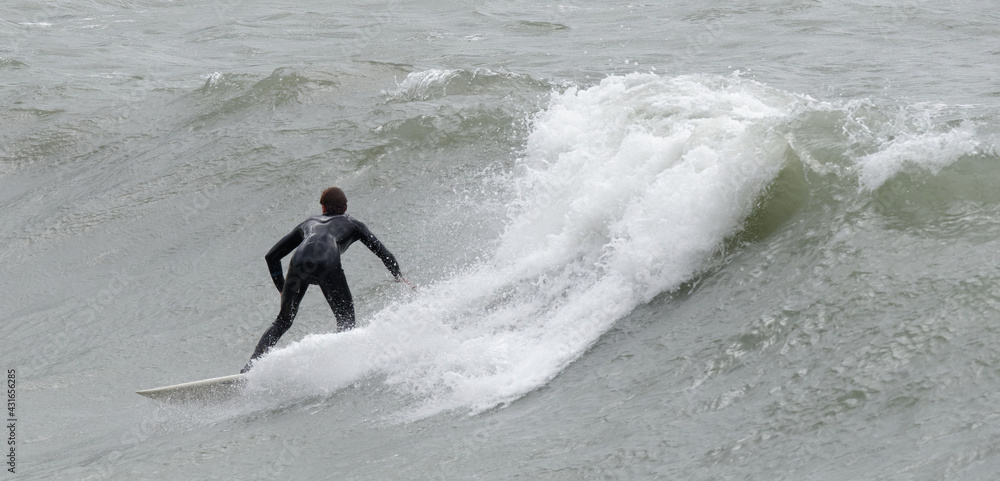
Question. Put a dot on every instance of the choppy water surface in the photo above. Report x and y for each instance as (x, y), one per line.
(734, 240)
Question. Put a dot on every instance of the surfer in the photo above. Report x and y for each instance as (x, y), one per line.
(318, 243)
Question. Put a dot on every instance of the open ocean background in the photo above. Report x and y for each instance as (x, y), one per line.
(725, 240)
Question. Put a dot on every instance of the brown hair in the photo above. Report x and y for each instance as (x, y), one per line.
(334, 201)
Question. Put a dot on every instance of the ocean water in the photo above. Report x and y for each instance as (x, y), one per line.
(664, 240)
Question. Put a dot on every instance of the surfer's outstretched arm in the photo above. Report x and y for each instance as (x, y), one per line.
(379, 249)
(273, 257)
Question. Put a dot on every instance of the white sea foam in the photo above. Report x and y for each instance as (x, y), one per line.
(626, 189)
(932, 151)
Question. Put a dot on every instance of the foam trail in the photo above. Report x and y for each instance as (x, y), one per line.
(626, 190)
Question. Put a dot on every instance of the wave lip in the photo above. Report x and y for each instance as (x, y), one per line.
(438, 83)
(640, 166)
(929, 150)
(626, 189)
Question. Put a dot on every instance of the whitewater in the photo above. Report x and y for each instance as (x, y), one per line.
(680, 241)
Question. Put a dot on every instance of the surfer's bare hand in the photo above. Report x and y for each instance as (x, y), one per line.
(403, 280)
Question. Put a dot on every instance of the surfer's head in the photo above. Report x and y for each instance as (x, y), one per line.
(333, 201)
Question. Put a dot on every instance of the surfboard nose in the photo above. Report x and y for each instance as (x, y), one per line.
(215, 388)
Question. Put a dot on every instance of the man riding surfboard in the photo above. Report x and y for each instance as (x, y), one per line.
(318, 243)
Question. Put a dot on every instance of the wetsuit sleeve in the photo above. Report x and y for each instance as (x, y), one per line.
(374, 245)
(273, 257)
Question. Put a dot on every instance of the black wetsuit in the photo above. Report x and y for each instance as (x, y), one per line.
(318, 243)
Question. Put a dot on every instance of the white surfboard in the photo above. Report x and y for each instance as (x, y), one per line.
(216, 388)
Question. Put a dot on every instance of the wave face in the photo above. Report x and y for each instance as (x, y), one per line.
(626, 190)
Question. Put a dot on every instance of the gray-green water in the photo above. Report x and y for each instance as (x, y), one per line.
(733, 240)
